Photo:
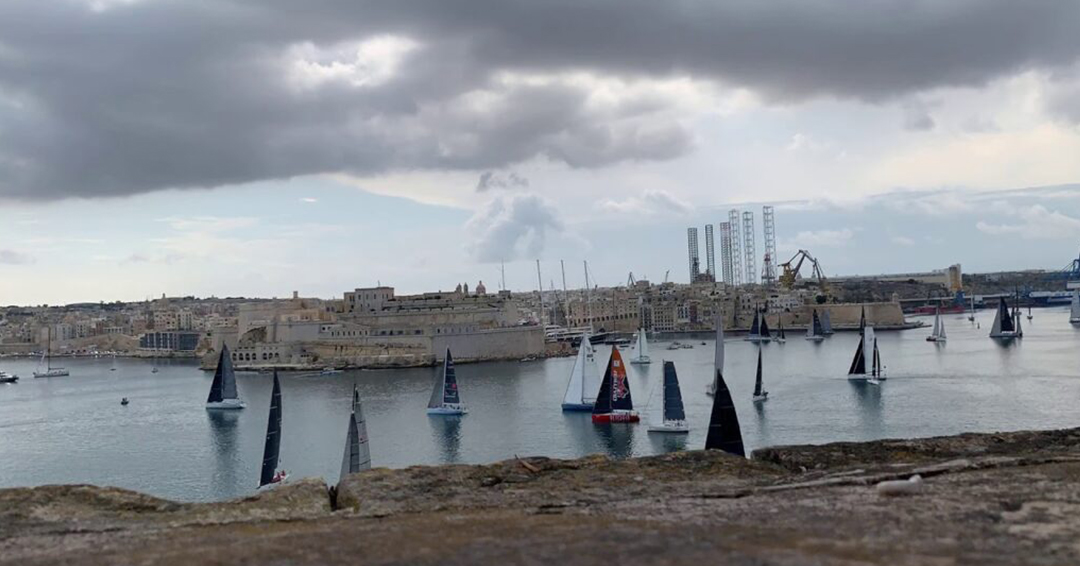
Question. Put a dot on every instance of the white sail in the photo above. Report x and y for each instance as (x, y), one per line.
(718, 354)
(941, 332)
(575, 389)
(868, 347)
(642, 348)
(1074, 308)
(995, 330)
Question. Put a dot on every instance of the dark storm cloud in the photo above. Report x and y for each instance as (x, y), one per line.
(197, 93)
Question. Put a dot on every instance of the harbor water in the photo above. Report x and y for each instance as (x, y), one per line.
(74, 429)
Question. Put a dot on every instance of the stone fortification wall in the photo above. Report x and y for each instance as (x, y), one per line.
(844, 316)
(496, 344)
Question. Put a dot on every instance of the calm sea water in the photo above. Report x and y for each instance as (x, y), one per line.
(74, 430)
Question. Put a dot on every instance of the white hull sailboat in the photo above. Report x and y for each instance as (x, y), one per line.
(867, 362)
(46, 361)
(642, 348)
(938, 334)
(578, 395)
(223, 393)
(270, 475)
(1006, 323)
(1074, 308)
(445, 399)
(673, 414)
(760, 395)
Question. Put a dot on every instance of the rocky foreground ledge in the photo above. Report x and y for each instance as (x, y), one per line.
(1009, 498)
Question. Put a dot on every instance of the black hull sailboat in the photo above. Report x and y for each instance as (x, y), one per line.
(270, 475)
(724, 433)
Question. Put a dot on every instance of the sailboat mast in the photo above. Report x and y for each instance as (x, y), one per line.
(588, 295)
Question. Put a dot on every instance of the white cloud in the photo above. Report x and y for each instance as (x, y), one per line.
(367, 63)
(650, 202)
(512, 227)
(903, 241)
(309, 200)
(1036, 222)
(820, 239)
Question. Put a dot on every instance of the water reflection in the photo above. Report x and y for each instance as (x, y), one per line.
(446, 429)
(868, 399)
(764, 438)
(617, 439)
(224, 431)
(667, 442)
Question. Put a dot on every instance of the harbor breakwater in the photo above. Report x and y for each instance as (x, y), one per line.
(1006, 498)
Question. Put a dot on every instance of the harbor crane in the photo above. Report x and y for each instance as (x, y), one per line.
(791, 269)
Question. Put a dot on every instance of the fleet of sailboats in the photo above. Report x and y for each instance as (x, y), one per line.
(445, 399)
(223, 392)
(614, 403)
(673, 414)
(582, 383)
(642, 348)
(938, 334)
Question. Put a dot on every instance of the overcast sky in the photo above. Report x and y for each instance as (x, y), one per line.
(235, 147)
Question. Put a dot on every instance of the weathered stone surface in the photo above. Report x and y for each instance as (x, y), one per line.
(1010, 498)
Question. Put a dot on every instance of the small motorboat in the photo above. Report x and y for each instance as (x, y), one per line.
(329, 371)
(124, 402)
(6, 377)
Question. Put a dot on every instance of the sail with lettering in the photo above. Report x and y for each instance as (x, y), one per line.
(614, 403)
(445, 398)
(357, 452)
(673, 415)
(724, 433)
(272, 448)
(223, 393)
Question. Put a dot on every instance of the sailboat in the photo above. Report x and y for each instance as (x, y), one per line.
(1074, 308)
(1029, 311)
(223, 393)
(270, 475)
(154, 369)
(754, 335)
(760, 394)
(971, 313)
(674, 415)
(577, 397)
(113, 368)
(763, 330)
(613, 402)
(642, 349)
(46, 360)
(826, 323)
(357, 453)
(867, 361)
(780, 336)
(724, 433)
(1005, 324)
(938, 334)
(814, 331)
(445, 399)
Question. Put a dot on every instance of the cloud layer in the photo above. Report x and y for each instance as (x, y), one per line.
(119, 97)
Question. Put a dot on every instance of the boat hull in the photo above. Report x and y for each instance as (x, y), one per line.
(815, 338)
(577, 407)
(617, 417)
(671, 427)
(641, 361)
(449, 410)
(761, 398)
(52, 373)
(934, 339)
(226, 405)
